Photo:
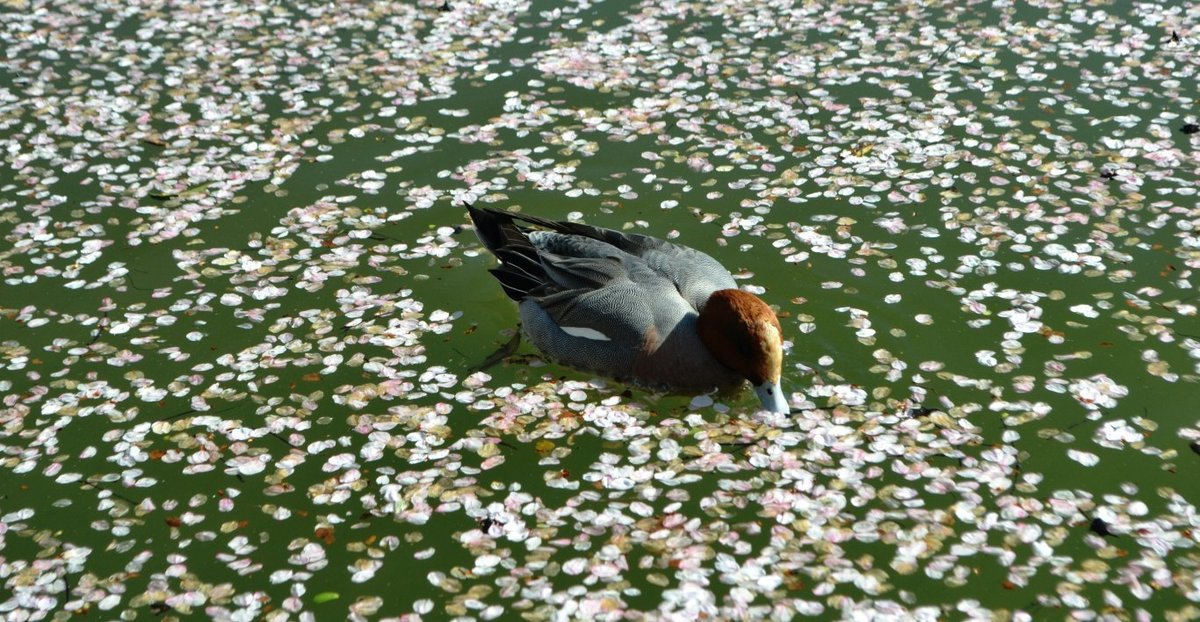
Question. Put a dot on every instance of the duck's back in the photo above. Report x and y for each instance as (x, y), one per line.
(621, 305)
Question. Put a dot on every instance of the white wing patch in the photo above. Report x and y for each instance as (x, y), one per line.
(585, 332)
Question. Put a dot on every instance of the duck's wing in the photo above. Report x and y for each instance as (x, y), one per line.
(603, 314)
(694, 274)
(591, 285)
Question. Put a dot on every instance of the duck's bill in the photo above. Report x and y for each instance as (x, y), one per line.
(772, 397)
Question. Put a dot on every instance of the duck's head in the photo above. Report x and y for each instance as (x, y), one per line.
(743, 334)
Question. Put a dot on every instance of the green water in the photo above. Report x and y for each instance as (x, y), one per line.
(234, 238)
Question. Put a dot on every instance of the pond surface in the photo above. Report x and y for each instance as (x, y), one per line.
(244, 320)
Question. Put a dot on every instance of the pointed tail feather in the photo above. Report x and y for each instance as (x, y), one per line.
(520, 272)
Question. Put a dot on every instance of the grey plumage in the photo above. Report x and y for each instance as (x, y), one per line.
(643, 294)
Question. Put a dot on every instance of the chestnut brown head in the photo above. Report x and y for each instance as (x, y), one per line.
(743, 334)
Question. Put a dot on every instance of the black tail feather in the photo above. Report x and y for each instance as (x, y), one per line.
(520, 272)
(517, 261)
(488, 227)
(516, 286)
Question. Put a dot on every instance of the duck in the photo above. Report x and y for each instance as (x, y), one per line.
(634, 308)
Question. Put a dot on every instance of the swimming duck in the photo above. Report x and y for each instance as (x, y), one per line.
(633, 307)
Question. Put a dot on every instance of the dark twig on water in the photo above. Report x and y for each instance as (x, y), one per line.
(109, 490)
(949, 46)
(182, 414)
(1099, 527)
(281, 439)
